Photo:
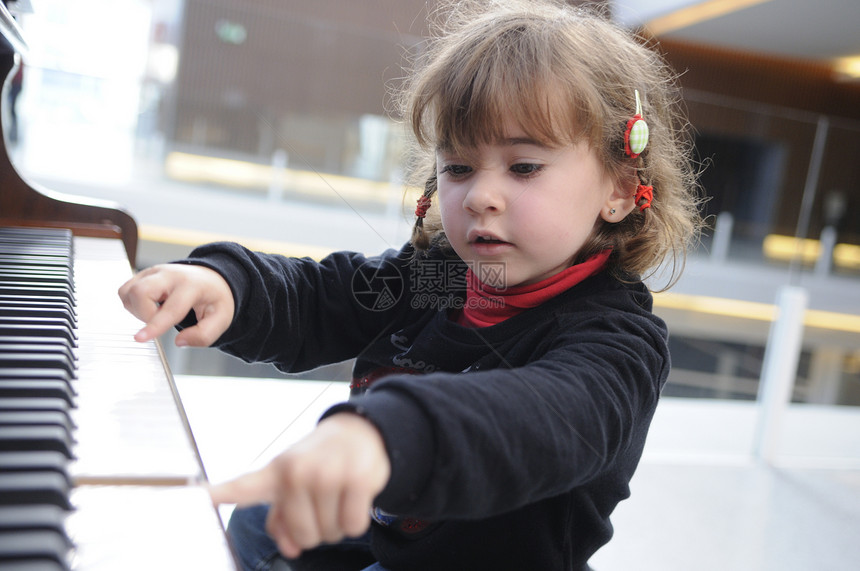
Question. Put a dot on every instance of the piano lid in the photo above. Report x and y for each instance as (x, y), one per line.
(23, 203)
(11, 38)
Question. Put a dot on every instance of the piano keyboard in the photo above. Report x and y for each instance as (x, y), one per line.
(98, 468)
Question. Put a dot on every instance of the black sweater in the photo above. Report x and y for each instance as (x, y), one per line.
(516, 441)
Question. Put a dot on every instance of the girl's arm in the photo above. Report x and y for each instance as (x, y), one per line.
(450, 446)
(473, 445)
(484, 443)
(298, 313)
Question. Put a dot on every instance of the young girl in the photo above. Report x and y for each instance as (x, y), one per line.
(507, 360)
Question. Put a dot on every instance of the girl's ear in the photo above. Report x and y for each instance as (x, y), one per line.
(620, 202)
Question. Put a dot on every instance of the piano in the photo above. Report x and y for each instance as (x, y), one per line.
(98, 467)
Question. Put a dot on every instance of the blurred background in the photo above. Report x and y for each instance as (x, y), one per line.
(267, 122)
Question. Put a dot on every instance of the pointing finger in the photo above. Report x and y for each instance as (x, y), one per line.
(249, 489)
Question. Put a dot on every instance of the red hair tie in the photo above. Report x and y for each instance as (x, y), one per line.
(423, 205)
(644, 193)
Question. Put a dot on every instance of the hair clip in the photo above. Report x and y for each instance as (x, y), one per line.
(636, 134)
(423, 205)
(645, 193)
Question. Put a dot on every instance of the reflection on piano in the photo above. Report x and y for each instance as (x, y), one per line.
(98, 469)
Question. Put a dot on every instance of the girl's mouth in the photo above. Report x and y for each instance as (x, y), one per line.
(488, 240)
(488, 245)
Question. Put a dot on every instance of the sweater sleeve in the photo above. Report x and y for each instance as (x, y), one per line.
(476, 444)
(297, 313)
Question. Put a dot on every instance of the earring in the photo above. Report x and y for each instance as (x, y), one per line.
(611, 211)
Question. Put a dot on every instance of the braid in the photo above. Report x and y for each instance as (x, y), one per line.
(420, 238)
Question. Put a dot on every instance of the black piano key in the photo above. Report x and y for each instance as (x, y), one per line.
(37, 374)
(34, 461)
(38, 301)
(35, 269)
(48, 234)
(30, 518)
(46, 519)
(23, 252)
(18, 246)
(35, 565)
(42, 418)
(35, 404)
(44, 259)
(22, 266)
(36, 322)
(36, 438)
(41, 261)
(49, 519)
(42, 550)
(18, 329)
(35, 341)
(53, 233)
(27, 311)
(52, 345)
(50, 257)
(15, 253)
(36, 360)
(60, 279)
(30, 251)
(52, 326)
(15, 250)
(36, 388)
(24, 240)
(28, 488)
(23, 288)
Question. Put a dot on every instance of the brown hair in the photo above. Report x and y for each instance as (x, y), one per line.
(553, 65)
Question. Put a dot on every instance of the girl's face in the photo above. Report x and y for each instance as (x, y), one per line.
(518, 212)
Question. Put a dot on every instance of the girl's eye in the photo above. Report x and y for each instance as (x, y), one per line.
(456, 170)
(526, 168)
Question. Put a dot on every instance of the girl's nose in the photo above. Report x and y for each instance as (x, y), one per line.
(484, 195)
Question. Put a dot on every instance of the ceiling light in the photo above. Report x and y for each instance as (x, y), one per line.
(707, 10)
(847, 67)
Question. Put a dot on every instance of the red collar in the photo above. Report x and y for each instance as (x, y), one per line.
(486, 305)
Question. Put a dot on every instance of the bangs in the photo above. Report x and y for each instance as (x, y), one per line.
(462, 100)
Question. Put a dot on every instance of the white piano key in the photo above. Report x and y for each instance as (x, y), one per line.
(145, 528)
(131, 426)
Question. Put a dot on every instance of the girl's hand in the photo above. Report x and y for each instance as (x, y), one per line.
(321, 489)
(162, 296)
